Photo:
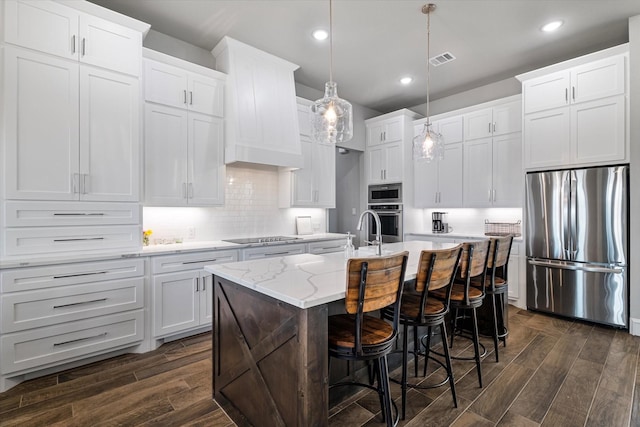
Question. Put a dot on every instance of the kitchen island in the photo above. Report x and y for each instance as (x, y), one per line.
(270, 358)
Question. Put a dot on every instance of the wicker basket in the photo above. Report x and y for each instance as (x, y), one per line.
(502, 228)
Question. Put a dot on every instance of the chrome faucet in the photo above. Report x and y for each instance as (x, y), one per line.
(378, 241)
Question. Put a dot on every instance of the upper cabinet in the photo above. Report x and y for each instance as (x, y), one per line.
(260, 106)
(495, 121)
(184, 148)
(389, 143)
(569, 112)
(313, 185)
(59, 30)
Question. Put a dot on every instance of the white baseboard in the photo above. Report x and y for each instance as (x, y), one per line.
(634, 326)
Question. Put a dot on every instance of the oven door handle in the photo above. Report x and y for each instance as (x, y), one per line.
(387, 212)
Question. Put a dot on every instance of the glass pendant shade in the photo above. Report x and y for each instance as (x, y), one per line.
(429, 145)
(331, 117)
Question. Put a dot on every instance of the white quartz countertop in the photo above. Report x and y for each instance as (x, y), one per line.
(308, 280)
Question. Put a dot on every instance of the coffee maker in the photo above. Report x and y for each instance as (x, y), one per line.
(439, 223)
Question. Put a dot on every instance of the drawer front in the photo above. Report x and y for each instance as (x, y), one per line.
(273, 251)
(54, 214)
(30, 241)
(44, 347)
(24, 279)
(191, 261)
(326, 246)
(31, 309)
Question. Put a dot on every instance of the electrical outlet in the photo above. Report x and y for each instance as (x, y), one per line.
(191, 232)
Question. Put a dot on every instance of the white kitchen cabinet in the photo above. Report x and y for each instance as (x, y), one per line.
(451, 129)
(326, 246)
(516, 272)
(176, 87)
(72, 131)
(59, 313)
(495, 121)
(438, 184)
(493, 171)
(260, 106)
(314, 184)
(56, 29)
(577, 116)
(386, 131)
(183, 157)
(384, 163)
(182, 291)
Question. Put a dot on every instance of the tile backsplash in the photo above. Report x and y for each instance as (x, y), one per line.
(471, 220)
(251, 209)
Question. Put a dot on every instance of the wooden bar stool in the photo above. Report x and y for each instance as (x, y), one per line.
(496, 286)
(436, 271)
(372, 284)
(467, 298)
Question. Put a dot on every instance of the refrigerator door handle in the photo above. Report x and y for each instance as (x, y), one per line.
(573, 215)
(590, 268)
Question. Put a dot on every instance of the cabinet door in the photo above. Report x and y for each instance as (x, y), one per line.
(478, 124)
(109, 45)
(176, 302)
(514, 272)
(41, 119)
(324, 171)
(392, 130)
(507, 118)
(206, 298)
(450, 129)
(165, 155)
(303, 185)
(477, 173)
(547, 138)
(375, 157)
(546, 92)
(450, 175)
(374, 134)
(109, 136)
(599, 79)
(165, 84)
(425, 178)
(46, 26)
(304, 119)
(205, 160)
(206, 95)
(507, 171)
(393, 165)
(599, 130)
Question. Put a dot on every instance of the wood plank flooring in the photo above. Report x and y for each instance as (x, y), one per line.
(553, 372)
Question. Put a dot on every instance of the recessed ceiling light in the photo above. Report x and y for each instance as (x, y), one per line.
(406, 80)
(552, 26)
(320, 34)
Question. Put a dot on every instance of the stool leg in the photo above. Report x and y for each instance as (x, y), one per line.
(426, 351)
(385, 390)
(495, 324)
(447, 357)
(501, 326)
(476, 346)
(416, 349)
(405, 360)
(454, 325)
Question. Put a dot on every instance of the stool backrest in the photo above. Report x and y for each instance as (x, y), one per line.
(374, 283)
(499, 251)
(436, 270)
(473, 263)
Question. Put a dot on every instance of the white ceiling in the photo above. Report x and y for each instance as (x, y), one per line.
(378, 41)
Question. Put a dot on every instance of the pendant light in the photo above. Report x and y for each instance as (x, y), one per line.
(429, 144)
(331, 116)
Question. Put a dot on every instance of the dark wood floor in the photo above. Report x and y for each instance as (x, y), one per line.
(553, 372)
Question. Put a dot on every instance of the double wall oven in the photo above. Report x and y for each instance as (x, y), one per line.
(386, 201)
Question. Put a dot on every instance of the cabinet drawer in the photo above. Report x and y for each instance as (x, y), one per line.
(30, 241)
(24, 279)
(31, 309)
(327, 246)
(53, 214)
(192, 261)
(43, 347)
(273, 251)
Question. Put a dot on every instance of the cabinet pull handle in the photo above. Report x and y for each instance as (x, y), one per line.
(566, 94)
(494, 127)
(73, 44)
(184, 190)
(93, 273)
(190, 97)
(184, 99)
(279, 253)
(204, 285)
(104, 334)
(494, 194)
(78, 214)
(85, 184)
(573, 92)
(199, 261)
(77, 239)
(439, 197)
(79, 303)
(84, 46)
(197, 284)
(489, 194)
(75, 183)
(489, 127)
(190, 191)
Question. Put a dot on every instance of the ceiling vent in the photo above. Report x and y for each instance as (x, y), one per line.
(443, 58)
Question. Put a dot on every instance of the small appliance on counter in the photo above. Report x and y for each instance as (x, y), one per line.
(439, 222)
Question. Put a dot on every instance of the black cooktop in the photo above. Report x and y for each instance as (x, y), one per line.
(268, 239)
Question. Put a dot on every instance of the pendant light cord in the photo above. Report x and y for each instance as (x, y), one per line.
(330, 41)
(428, 59)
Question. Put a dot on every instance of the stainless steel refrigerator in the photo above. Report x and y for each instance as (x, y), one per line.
(576, 242)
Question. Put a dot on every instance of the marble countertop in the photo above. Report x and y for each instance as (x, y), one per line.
(308, 280)
(457, 235)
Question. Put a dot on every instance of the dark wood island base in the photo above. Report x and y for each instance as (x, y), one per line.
(270, 361)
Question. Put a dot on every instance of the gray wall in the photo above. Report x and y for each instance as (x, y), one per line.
(634, 202)
(175, 47)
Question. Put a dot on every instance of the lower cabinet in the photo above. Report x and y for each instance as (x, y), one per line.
(326, 246)
(56, 314)
(181, 291)
(273, 251)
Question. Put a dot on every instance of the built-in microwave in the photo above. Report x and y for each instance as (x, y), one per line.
(385, 193)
